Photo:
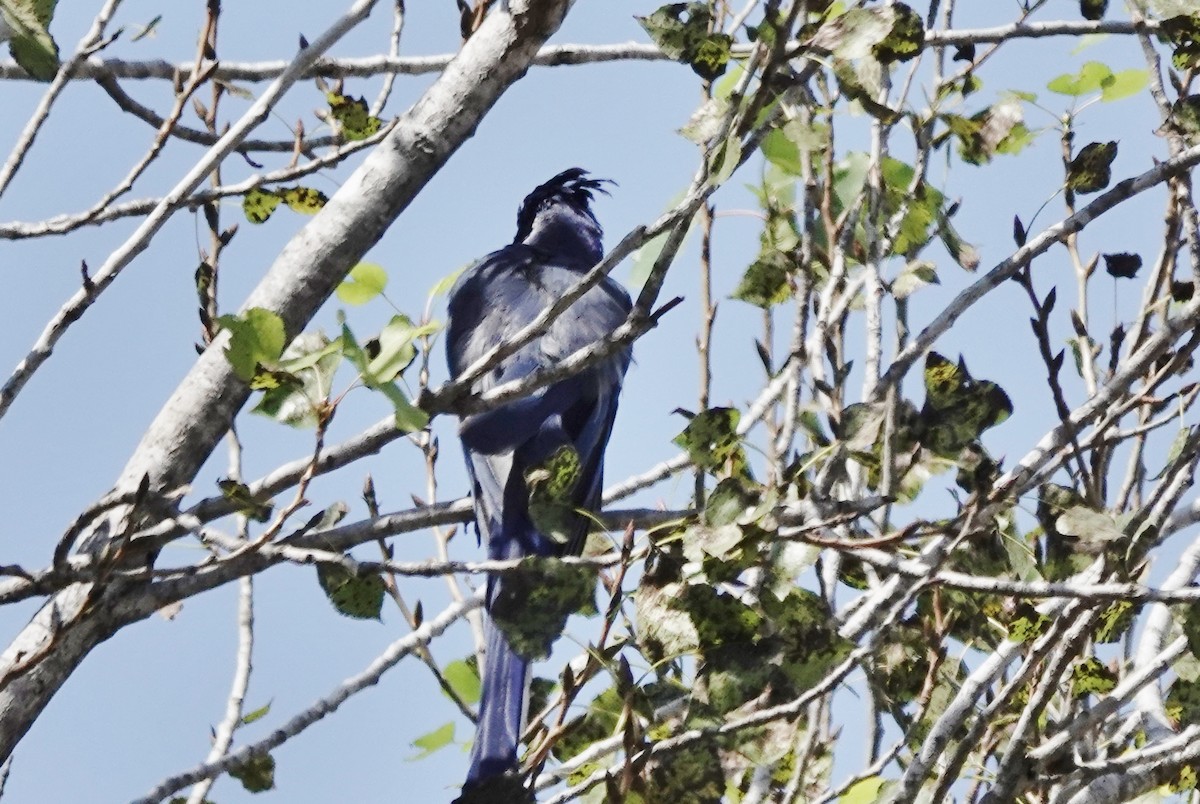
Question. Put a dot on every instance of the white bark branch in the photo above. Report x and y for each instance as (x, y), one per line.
(299, 281)
(140, 239)
(554, 55)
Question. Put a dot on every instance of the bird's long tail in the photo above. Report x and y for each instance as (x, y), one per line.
(501, 709)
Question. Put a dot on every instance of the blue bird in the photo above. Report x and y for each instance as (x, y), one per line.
(508, 448)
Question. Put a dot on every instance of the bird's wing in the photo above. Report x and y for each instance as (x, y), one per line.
(492, 301)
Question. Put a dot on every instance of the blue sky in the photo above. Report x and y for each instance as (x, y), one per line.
(140, 706)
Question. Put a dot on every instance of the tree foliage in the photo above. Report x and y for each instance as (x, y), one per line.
(908, 571)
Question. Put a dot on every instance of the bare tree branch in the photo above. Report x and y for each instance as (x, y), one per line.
(303, 276)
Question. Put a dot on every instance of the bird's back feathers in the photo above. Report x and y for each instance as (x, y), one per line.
(558, 240)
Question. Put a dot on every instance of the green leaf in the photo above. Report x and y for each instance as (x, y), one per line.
(723, 543)
(258, 204)
(1089, 676)
(1178, 443)
(965, 254)
(463, 678)
(723, 89)
(1091, 169)
(551, 485)
(1019, 548)
(849, 176)
(861, 424)
(257, 714)
(644, 259)
(43, 10)
(945, 382)
(353, 116)
(725, 160)
(256, 773)
(720, 548)
(766, 281)
(915, 275)
(710, 56)
(396, 349)
(1064, 556)
(359, 597)
(308, 350)
(1184, 119)
(987, 132)
(531, 605)
(1018, 138)
(433, 741)
(1086, 41)
(694, 774)
(1183, 31)
(813, 136)
(256, 341)
(1090, 78)
(727, 502)
(712, 442)
(1185, 781)
(1027, 624)
(598, 722)
(149, 30)
(29, 40)
(1116, 620)
(780, 231)
(409, 418)
(864, 791)
(312, 360)
(806, 636)
(671, 32)
(329, 517)
(958, 409)
(1124, 84)
(918, 224)
(1190, 625)
(780, 151)
(663, 628)
(1183, 701)
(856, 33)
(446, 282)
(257, 507)
(858, 81)
(682, 33)
(905, 40)
(1088, 525)
(305, 200)
(363, 282)
(721, 619)
(899, 668)
(274, 380)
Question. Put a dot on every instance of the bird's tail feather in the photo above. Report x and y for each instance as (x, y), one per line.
(501, 709)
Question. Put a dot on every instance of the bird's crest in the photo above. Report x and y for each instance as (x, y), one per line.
(571, 187)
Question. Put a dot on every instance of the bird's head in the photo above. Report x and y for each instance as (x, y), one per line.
(557, 217)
